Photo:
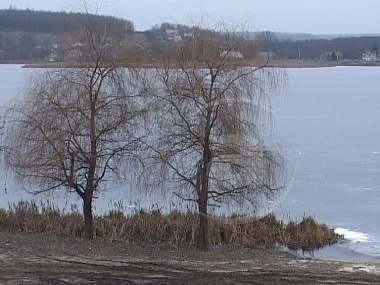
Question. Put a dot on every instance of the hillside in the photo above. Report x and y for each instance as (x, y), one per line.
(46, 22)
(40, 35)
(27, 35)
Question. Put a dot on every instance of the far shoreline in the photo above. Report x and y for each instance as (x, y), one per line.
(319, 64)
(270, 63)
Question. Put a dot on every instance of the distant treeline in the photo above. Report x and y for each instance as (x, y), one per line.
(12, 20)
(349, 47)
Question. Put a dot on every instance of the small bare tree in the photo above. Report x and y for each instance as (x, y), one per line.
(76, 126)
(211, 111)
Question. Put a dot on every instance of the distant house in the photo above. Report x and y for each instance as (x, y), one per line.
(231, 54)
(331, 56)
(188, 35)
(267, 55)
(75, 51)
(370, 56)
(54, 53)
(173, 35)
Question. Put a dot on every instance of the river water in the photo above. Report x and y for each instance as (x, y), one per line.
(329, 121)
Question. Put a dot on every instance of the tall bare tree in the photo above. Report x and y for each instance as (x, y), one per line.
(76, 127)
(208, 125)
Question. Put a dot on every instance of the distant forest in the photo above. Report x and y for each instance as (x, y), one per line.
(13, 20)
(348, 47)
(27, 35)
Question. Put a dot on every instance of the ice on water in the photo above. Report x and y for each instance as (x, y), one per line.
(351, 235)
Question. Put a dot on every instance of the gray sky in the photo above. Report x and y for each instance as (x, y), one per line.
(307, 16)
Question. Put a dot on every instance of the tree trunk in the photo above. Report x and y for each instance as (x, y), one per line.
(202, 242)
(87, 204)
(87, 213)
(203, 197)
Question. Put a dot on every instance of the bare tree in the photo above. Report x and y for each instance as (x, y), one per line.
(75, 127)
(211, 111)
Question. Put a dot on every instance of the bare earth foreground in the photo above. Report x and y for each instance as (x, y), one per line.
(31, 259)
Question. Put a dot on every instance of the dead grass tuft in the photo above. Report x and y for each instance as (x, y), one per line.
(308, 235)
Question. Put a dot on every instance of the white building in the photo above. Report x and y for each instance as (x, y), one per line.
(370, 56)
(231, 54)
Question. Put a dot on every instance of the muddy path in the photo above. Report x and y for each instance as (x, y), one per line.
(31, 259)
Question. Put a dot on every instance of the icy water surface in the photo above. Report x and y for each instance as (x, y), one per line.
(330, 121)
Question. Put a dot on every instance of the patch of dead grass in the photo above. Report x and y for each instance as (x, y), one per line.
(174, 229)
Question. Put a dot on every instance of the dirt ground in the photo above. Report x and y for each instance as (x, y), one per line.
(31, 259)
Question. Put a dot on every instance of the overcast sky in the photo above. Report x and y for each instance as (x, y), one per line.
(306, 16)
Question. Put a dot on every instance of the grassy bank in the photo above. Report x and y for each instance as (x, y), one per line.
(176, 228)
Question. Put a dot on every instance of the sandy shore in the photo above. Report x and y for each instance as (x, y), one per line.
(31, 259)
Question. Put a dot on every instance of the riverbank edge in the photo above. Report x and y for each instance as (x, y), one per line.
(29, 257)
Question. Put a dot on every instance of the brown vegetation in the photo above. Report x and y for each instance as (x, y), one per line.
(173, 229)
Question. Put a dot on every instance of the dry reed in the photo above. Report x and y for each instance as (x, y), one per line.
(175, 228)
